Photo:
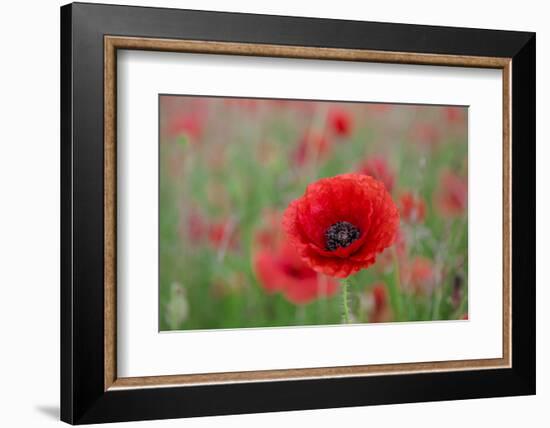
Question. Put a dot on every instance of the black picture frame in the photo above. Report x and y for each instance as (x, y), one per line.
(83, 398)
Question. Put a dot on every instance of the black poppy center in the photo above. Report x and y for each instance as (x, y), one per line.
(341, 234)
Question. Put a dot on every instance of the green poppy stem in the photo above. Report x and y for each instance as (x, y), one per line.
(345, 282)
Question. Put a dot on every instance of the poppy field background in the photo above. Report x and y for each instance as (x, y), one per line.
(229, 167)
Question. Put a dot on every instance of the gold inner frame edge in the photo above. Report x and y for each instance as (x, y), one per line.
(113, 43)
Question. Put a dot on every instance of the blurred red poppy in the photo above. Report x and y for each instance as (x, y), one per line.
(418, 276)
(311, 146)
(280, 268)
(222, 233)
(217, 233)
(341, 223)
(412, 208)
(340, 121)
(454, 114)
(451, 199)
(190, 125)
(380, 311)
(378, 168)
(379, 293)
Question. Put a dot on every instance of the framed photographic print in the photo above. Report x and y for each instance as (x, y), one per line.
(264, 213)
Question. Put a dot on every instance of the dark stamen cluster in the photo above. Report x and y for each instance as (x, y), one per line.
(341, 234)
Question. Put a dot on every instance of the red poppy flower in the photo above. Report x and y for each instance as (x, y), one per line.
(280, 268)
(412, 208)
(311, 146)
(454, 114)
(190, 125)
(283, 270)
(222, 234)
(451, 199)
(378, 168)
(341, 223)
(418, 276)
(340, 121)
(380, 311)
(218, 234)
(379, 294)
(185, 125)
(184, 116)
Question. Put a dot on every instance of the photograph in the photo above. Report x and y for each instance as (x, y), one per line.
(282, 212)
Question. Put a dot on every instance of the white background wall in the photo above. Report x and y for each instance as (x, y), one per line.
(29, 213)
